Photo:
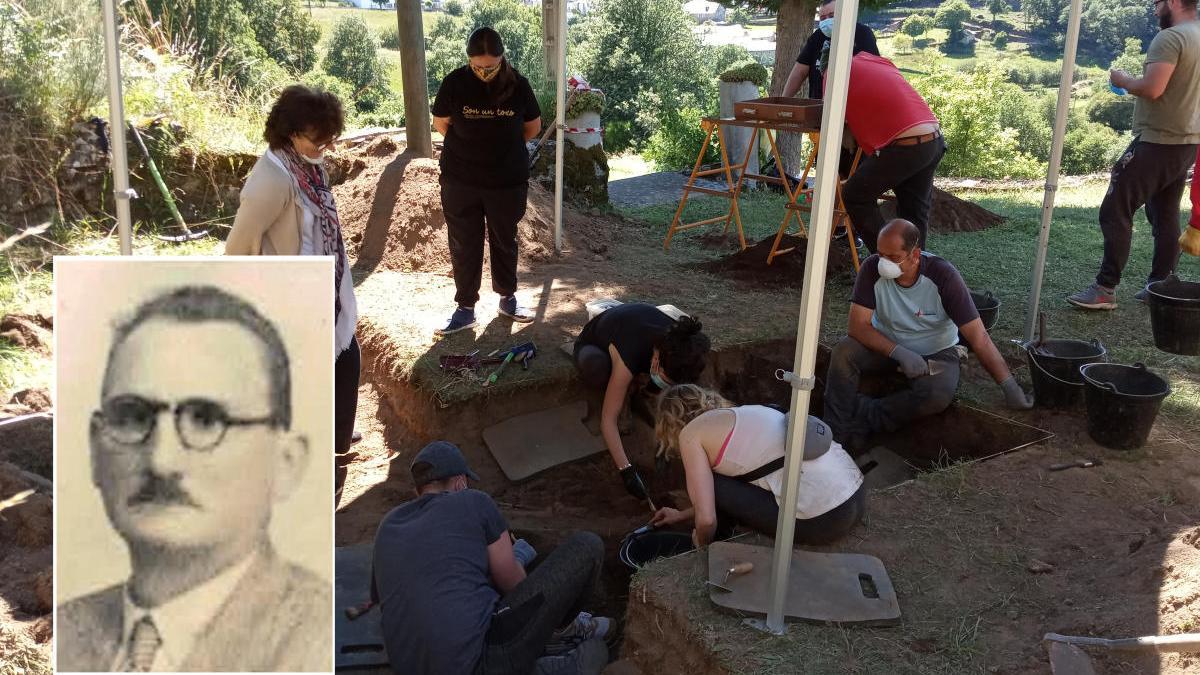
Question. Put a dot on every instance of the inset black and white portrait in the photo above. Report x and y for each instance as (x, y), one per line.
(194, 465)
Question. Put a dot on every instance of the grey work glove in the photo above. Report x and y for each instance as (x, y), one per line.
(911, 363)
(524, 552)
(1014, 396)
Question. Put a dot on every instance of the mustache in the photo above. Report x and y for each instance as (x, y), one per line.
(159, 490)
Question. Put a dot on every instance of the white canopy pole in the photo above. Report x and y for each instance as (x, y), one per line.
(1060, 131)
(116, 127)
(820, 230)
(560, 121)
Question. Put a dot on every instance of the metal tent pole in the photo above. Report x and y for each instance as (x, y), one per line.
(116, 127)
(1060, 131)
(560, 121)
(808, 329)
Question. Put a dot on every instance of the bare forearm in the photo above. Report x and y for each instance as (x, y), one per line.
(991, 360)
(612, 439)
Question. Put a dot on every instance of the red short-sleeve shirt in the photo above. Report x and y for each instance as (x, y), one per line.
(881, 104)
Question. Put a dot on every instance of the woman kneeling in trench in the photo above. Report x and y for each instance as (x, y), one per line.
(624, 342)
(733, 459)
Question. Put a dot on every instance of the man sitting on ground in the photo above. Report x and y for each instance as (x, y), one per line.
(455, 599)
(907, 311)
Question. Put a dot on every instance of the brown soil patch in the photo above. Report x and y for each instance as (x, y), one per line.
(951, 214)
(36, 399)
(1119, 542)
(750, 265)
(28, 331)
(26, 559)
(391, 213)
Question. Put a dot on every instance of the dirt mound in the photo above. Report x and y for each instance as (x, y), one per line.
(951, 214)
(391, 213)
(28, 331)
(751, 266)
(36, 399)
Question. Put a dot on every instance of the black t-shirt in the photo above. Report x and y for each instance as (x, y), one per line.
(485, 145)
(816, 51)
(433, 583)
(634, 328)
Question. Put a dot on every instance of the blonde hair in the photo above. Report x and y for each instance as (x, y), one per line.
(676, 407)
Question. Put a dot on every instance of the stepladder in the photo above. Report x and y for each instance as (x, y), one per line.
(735, 175)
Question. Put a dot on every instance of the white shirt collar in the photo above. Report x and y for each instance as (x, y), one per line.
(181, 620)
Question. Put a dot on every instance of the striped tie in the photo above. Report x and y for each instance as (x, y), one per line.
(143, 646)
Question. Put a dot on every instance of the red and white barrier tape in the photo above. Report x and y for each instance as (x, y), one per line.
(589, 130)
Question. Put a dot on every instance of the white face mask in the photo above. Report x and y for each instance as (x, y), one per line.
(318, 161)
(889, 269)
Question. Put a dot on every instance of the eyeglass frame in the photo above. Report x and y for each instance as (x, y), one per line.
(158, 407)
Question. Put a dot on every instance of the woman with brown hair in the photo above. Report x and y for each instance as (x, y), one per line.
(733, 459)
(287, 208)
(487, 111)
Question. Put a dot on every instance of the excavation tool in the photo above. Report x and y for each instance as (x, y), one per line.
(188, 234)
(537, 149)
(522, 352)
(356, 611)
(1080, 463)
(738, 569)
(1184, 642)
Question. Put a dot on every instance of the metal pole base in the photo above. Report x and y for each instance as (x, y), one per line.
(761, 626)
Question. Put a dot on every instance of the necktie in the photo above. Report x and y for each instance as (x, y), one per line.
(144, 643)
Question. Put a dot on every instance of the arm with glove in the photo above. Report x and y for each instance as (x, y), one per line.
(981, 343)
(1189, 241)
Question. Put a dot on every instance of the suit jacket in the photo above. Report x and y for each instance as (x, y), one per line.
(277, 618)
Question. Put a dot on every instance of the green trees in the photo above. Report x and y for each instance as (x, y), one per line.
(519, 25)
(454, 7)
(233, 37)
(643, 54)
(1106, 24)
(997, 7)
(951, 16)
(353, 56)
(915, 25)
(1000, 41)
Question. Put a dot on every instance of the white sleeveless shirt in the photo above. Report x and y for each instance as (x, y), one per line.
(759, 435)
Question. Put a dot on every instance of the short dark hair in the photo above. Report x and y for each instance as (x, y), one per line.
(299, 110)
(201, 304)
(682, 350)
(827, 2)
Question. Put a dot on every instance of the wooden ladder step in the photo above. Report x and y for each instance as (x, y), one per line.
(710, 191)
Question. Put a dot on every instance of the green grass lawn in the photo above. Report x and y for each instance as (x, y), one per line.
(1000, 259)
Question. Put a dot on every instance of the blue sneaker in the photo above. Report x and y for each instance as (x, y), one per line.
(462, 319)
(510, 308)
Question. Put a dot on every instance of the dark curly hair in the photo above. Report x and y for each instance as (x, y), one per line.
(682, 350)
(301, 110)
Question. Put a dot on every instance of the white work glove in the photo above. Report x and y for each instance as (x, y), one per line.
(911, 363)
(1014, 396)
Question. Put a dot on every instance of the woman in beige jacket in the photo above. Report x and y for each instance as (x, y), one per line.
(287, 208)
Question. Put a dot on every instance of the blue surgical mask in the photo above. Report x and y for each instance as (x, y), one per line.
(826, 26)
(658, 381)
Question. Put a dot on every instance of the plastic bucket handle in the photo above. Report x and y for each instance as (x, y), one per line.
(1033, 357)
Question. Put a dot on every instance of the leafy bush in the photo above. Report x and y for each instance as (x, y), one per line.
(454, 7)
(586, 101)
(353, 56)
(318, 79)
(232, 37)
(721, 58)
(677, 141)
(951, 16)
(969, 107)
(1091, 148)
(1111, 110)
(903, 44)
(1000, 41)
(389, 38)
(1131, 59)
(915, 25)
(519, 26)
(747, 71)
(739, 15)
(642, 53)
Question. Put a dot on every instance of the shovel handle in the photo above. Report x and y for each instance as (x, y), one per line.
(741, 568)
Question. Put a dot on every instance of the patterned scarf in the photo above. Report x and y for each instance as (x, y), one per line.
(314, 185)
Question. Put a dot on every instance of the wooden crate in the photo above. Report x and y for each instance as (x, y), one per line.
(803, 111)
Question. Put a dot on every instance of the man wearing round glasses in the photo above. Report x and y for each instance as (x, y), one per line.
(191, 447)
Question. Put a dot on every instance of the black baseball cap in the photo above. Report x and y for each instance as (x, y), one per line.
(437, 461)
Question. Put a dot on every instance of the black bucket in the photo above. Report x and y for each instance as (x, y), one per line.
(647, 544)
(1175, 315)
(988, 307)
(1122, 402)
(1054, 365)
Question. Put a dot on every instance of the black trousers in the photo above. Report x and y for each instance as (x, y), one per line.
(469, 212)
(908, 171)
(1154, 175)
(345, 406)
(756, 508)
(553, 594)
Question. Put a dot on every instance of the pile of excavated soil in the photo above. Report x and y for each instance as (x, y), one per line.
(26, 555)
(28, 331)
(750, 265)
(391, 214)
(951, 214)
